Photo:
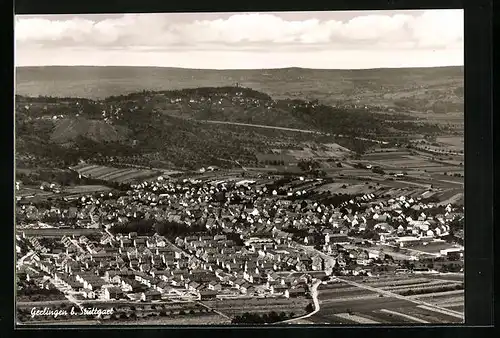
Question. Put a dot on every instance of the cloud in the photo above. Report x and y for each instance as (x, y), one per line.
(431, 29)
(244, 40)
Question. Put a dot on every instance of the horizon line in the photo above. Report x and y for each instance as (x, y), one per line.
(237, 69)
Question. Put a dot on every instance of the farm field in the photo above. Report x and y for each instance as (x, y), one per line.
(404, 163)
(333, 150)
(443, 299)
(458, 308)
(437, 181)
(386, 283)
(432, 247)
(387, 154)
(32, 191)
(431, 169)
(453, 276)
(417, 162)
(455, 142)
(364, 308)
(448, 185)
(341, 303)
(431, 316)
(346, 188)
(233, 307)
(425, 288)
(320, 318)
(119, 175)
(85, 189)
(448, 178)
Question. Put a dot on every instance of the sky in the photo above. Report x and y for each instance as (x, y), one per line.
(258, 40)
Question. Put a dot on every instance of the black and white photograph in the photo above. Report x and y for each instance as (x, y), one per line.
(239, 168)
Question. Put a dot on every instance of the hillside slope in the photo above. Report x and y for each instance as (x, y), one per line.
(164, 127)
(69, 129)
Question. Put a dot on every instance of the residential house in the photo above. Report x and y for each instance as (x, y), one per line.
(113, 293)
(207, 294)
(214, 285)
(150, 296)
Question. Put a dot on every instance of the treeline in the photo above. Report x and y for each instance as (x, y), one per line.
(193, 92)
(147, 227)
(29, 291)
(48, 99)
(423, 290)
(63, 178)
(265, 318)
(344, 121)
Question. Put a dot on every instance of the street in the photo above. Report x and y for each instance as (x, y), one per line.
(314, 295)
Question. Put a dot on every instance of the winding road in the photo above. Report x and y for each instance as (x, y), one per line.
(314, 295)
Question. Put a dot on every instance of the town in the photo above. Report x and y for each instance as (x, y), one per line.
(226, 246)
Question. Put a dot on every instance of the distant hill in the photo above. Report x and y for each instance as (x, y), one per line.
(422, 88)
(169, 127)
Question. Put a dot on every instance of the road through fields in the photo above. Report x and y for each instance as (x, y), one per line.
(314, 295)
(425, 305)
